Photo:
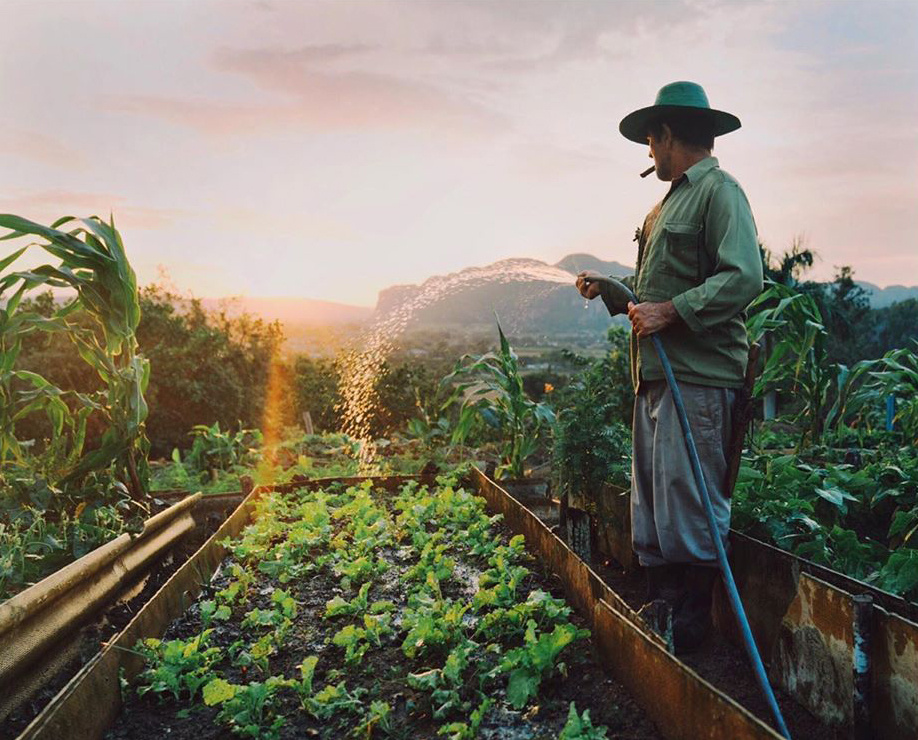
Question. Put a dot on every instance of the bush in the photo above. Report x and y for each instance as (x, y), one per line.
(592, 441)
(206, 367)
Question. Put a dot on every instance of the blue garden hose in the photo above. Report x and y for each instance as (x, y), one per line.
(735, 601)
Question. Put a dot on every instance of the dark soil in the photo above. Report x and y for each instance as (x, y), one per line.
(726, 666)
(382, 672)
(106, 625)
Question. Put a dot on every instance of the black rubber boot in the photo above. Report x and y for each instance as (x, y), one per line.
(665, 582)
(692, 618)
(665, 593)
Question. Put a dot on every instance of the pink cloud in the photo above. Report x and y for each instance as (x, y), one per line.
(318, 98)
(48, 205)
(38, 147)
(353, 98)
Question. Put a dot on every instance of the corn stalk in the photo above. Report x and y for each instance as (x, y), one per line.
(796, 359)
(94, 264)
(862, 391)
(494, 392)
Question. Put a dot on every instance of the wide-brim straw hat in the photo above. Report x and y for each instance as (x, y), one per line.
(676, 97)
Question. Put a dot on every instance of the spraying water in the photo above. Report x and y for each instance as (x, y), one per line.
(363, 365)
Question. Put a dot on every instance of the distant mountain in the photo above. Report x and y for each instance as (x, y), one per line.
(575, 263)
(292, 311)
(529, 296)
(883, 297)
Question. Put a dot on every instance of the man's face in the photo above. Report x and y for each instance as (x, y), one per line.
(661, 151)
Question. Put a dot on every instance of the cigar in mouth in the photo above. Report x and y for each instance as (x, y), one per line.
(648, 170)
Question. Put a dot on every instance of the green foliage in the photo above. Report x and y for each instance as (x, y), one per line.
(357, 640)
(378, 716)
(94, 264)
(512, 620)
(247, 709)
(528, 665)
(73, 451)
(43, 527)
(334, 699)
(337, 606)
(317, 387)
(214, 449)
(177, 667)
(401, 389)
(467, 730)
(434, 624)
(862, 392)
(257, 654)
(896, 326)
(849, 518)
(278, 617)
(849, 322)
(494, 392)
(592, 444)
(899, 574)
(207, 367)
(460, 649)
(796, 357)
(445, 685)
(579, 727)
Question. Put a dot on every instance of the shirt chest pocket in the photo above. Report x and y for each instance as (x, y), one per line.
(681, 255)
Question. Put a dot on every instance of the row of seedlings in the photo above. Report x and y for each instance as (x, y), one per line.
(343, 612)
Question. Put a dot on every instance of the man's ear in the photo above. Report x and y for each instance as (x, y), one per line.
(666, 134)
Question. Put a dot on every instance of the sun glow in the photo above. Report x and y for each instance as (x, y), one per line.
(278, 392)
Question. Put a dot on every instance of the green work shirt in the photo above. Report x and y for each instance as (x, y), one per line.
(698, 248)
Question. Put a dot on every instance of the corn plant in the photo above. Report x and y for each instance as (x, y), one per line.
(491, 388)
(862, 391)
(94, 264)
(214, 449)
(796, 357)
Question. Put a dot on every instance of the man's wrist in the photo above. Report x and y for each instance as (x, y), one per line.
(686, 313)
(670, 314)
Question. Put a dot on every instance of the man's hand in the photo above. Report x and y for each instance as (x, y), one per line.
(649, 318)
(587, 283)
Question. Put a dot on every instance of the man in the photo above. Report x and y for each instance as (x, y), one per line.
(698, 267)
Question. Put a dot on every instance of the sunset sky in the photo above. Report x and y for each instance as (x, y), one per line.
(330, 149)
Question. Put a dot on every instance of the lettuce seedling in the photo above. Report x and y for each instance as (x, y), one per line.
(527, 665)
(177, 666)
(247, 709)
(580, 727)
(334, 699)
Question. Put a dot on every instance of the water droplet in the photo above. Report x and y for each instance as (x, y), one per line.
(362, 366)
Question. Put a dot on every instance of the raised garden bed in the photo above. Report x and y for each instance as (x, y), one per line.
(50, 631)
(405, 615)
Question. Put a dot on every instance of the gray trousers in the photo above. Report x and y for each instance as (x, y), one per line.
(668, 522)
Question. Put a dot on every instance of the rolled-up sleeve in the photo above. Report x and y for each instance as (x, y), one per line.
(730, 240)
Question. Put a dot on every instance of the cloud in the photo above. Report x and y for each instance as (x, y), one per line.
(49, 205)
(354, 97)
(318, 97)
(38, 147)
(541, 36)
